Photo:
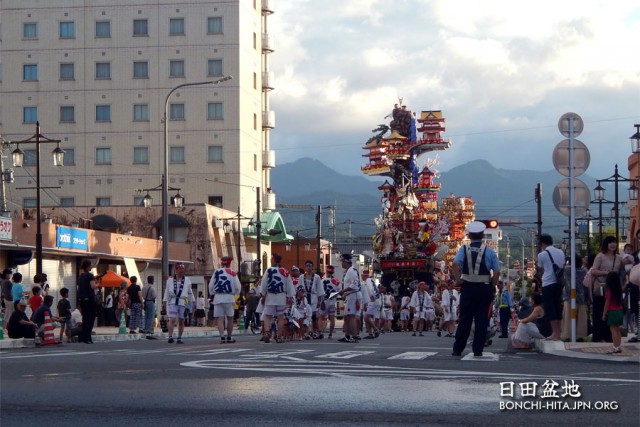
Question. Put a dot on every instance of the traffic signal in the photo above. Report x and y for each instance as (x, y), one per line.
(491, 223)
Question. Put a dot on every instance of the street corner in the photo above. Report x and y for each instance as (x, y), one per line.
(587, 350)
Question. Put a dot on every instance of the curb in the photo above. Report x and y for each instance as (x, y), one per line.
(558, 348)
(15, 343)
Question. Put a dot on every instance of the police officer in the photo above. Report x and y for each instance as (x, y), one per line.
(476, 269)
(503, 305)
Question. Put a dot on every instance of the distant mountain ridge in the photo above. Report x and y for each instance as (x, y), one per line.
(507, 195)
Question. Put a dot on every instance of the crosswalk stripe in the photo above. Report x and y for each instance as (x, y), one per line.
(414, 355)
(344, 354)
(486, 357)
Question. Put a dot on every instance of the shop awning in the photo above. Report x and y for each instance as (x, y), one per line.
(272, 227)
(112, 280)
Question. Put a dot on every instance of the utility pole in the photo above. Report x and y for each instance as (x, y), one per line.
(538, 198)
(319, 223)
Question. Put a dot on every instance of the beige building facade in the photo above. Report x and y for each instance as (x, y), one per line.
(95, 74)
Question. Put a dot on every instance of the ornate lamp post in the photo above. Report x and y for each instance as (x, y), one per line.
(18, 161)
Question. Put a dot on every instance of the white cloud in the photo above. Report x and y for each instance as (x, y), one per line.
(501, 71)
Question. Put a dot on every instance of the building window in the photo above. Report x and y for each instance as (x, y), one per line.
(214, 111)
(176, 111)
(214, 25)
(176, 154)
(255, 162)
(67, 201)
(103, 201)
(67, 71)
(140, 69)
(140, 155)
(69, 156)
(215, 201)
(29, 202)
(140, 27)
(67, 114)
(30, 30)
(67, 30)
(214, 154)
(103, 29)
(255, 121)
(176, 68)
(214, 67)
(103, 70)
(29, 115)
(29, 157)
(30, 72)
(103, 113)
(141, 112)
(138, 200)
(176, 27)
(103, 156)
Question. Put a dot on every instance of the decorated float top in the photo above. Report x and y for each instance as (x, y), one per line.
(412, 227)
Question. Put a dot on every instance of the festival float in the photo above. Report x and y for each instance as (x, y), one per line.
(415, 234)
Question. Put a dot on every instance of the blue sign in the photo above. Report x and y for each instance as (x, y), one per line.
(72, 238)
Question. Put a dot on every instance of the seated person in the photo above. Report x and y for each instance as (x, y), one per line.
(527, 328)
(19, 325)
(76, 323)
(38, 316)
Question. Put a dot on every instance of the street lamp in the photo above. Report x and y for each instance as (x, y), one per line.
(165, 174)
(147, 200)
(635, 140)
(616, 178)
(18, 161)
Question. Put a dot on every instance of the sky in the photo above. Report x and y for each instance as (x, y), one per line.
(502, 72)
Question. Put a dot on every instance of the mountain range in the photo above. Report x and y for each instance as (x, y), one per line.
(505, 195)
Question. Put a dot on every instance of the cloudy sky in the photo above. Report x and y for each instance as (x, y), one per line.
(502, 72)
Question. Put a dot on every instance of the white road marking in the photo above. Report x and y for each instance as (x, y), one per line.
(414, 355)
(344, 354)
(277, 354)
(330, 368)
(486, 357)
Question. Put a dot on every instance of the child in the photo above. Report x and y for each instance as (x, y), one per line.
(36, 299)
(405, 313)
(612, 312)
(64, 312)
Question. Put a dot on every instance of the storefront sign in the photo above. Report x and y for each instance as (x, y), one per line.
(6, 226)
(72, 238)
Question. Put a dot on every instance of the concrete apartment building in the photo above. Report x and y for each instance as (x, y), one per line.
(95, 75)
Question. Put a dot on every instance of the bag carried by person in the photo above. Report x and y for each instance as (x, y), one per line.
(588, 282)
(557, 270)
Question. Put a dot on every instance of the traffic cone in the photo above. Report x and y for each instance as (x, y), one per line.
(49, 336)
(123, 323)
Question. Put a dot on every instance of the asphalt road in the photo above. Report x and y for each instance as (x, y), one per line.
(394, 380)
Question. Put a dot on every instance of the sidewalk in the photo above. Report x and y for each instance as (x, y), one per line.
(105, 334)
(592, 351)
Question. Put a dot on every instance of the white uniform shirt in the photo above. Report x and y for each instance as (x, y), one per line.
(330, 284)
(313, 288)
(172, 292)
(351, 284)
(421, 301)
(276, 286)
(224, 285)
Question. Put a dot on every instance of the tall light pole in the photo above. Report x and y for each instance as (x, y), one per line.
(165, 175)
(18, 160)
(616, 178)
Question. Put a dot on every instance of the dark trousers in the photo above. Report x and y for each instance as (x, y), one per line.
(601, 331)
(88, 309)
(505, 316)
(475, 300)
